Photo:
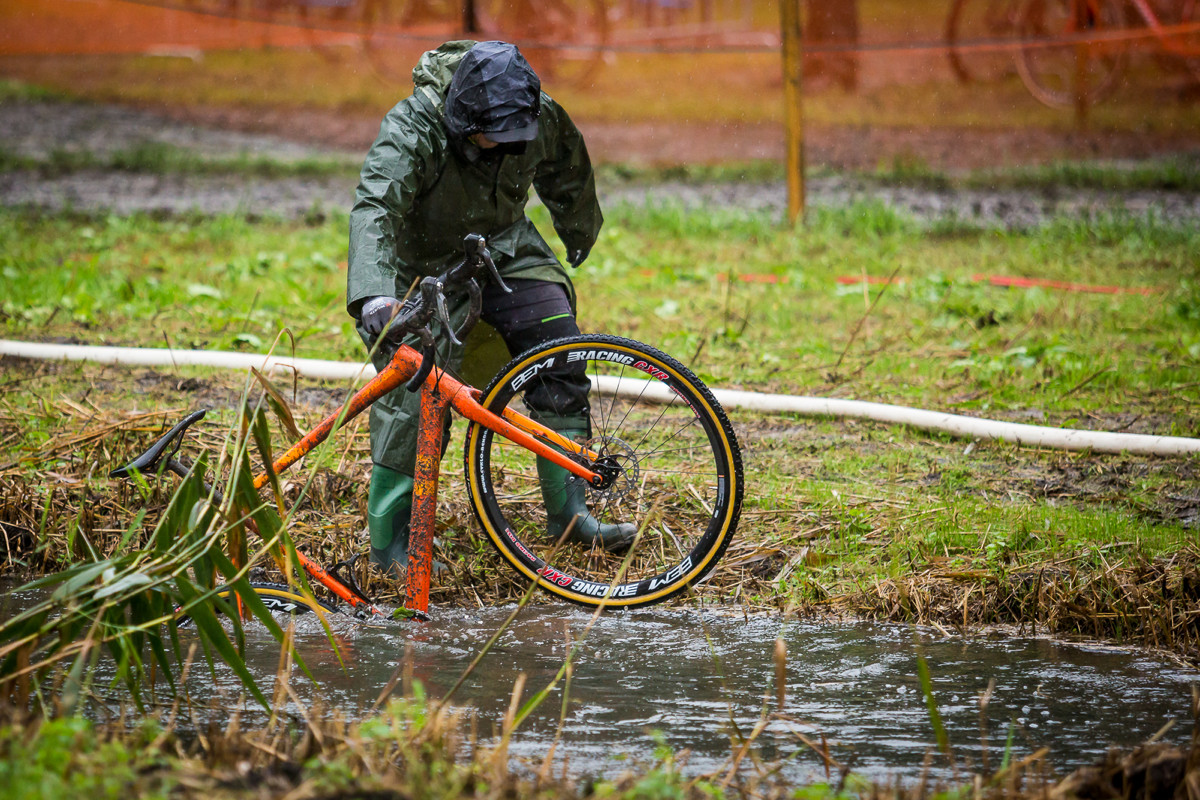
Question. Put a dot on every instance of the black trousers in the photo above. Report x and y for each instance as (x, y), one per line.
(534, 313)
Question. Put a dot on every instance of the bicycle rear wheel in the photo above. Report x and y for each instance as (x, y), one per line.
(679, 479)
(394, 32)
(1054, 32)
(564, 40)
(1186, 44)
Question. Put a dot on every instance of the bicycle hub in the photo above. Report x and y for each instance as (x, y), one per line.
(608, 470)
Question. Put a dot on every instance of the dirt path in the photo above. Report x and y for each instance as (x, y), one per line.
(663, 143)
(41, 129)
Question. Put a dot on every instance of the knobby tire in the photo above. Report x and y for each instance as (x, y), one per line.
(681, 481)
(279, 598)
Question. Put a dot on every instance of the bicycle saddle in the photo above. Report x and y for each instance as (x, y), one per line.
(149, 460)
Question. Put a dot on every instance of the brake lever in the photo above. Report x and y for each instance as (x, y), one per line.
(443, 316)
(491, 265)
(474, 308)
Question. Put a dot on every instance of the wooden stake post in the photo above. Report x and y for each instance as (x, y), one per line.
(1082, 57)
(791, 31)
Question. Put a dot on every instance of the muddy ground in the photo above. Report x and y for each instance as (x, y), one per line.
(40, 129)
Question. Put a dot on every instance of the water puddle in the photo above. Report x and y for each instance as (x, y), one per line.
(686, 674)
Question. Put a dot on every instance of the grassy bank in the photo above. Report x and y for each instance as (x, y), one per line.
(410, 749)
(839, 515)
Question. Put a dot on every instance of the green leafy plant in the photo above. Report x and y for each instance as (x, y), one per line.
(132, 603)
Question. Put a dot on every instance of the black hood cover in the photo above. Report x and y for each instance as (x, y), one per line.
(495, 92)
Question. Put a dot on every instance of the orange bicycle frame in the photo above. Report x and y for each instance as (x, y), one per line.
(439, 393)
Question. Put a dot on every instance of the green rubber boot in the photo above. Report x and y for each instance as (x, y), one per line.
(565, 496)
(389, 511)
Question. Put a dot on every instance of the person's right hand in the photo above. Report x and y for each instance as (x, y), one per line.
(377, 312)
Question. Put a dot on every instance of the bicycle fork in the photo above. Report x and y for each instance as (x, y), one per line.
(434, 407)
(439, 394)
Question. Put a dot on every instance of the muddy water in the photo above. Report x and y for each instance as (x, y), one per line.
(685, 674)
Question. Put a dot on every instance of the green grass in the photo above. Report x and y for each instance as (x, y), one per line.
(613, 175)
(937, 339)
(72, 757)
(1178, 173)
(218, 283)
(14, 90)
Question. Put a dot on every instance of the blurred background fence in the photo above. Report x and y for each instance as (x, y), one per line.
(667, 81)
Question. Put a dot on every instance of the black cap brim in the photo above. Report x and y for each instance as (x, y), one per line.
(524, 133)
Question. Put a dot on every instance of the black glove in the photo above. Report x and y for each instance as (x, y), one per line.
(577, 257)
(377, 312)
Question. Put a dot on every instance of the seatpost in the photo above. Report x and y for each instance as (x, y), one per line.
(435, 405)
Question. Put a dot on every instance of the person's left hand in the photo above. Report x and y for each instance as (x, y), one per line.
(377, 312)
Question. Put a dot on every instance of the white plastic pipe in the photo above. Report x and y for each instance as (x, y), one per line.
(968, 427)
(151, 357)
(956, 424)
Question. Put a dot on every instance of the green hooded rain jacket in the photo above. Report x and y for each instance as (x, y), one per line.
(418, 197)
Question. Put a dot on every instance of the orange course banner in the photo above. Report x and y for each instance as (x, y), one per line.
(93, 27)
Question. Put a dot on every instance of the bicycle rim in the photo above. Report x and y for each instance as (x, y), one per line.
(679, 482)
(279, 598)
(973, 28)
(391, 29)
(1187, 44)
(1049, 70)
(564, 40)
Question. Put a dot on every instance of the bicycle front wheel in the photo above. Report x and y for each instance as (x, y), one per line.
(279, 598)
(678, 475)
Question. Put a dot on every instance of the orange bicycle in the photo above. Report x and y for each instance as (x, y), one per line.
(661, 455)
(1074, 48)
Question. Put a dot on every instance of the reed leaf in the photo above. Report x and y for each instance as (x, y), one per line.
(129, 606)
(935, 716)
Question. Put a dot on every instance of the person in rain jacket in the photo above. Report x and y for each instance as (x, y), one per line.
(457, 157)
